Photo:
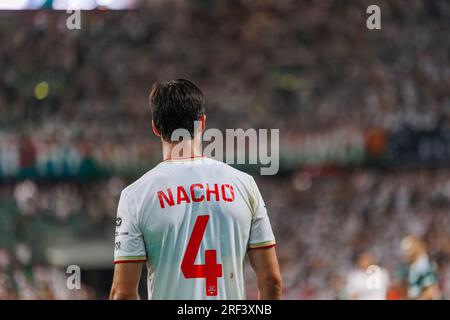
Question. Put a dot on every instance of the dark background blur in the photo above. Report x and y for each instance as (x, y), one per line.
(363, 118)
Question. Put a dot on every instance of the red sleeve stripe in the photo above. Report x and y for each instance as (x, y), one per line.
(126, 261)
(263, 247)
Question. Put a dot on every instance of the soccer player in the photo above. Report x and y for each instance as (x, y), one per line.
(191, 220)
(422, 275)
(367, 281)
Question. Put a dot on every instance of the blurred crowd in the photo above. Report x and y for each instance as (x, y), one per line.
(301, 66)
(321, 221)
(308, 68)
(34, 216)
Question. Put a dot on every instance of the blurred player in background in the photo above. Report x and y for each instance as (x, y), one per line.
(191, 219)
(367, 281)
(422, 273)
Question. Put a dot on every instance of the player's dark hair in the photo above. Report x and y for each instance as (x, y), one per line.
(176, 104)
(359, 253)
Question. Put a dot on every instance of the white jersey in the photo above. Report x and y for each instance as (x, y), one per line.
(371, 284)
(192, 221)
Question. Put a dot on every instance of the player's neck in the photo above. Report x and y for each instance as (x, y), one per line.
(182, 150)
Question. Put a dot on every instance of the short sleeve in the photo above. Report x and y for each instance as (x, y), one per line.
(261, 234)
(129, 243)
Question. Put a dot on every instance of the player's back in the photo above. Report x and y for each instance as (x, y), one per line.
(192, 220)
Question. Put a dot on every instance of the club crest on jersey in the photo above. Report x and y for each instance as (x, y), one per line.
(196, 192)
(212, 290)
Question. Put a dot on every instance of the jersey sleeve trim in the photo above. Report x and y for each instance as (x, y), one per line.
(130, 259)
(262, 245)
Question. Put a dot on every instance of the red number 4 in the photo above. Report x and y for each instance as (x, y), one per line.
(210, 270)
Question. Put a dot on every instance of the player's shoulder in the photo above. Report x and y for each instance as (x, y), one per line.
(232, 171)
(423, 264)
(144, 182)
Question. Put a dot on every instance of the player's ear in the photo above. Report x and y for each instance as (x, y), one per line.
(155, 130)
(203, 123)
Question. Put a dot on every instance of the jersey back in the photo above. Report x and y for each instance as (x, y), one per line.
(192, 221)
